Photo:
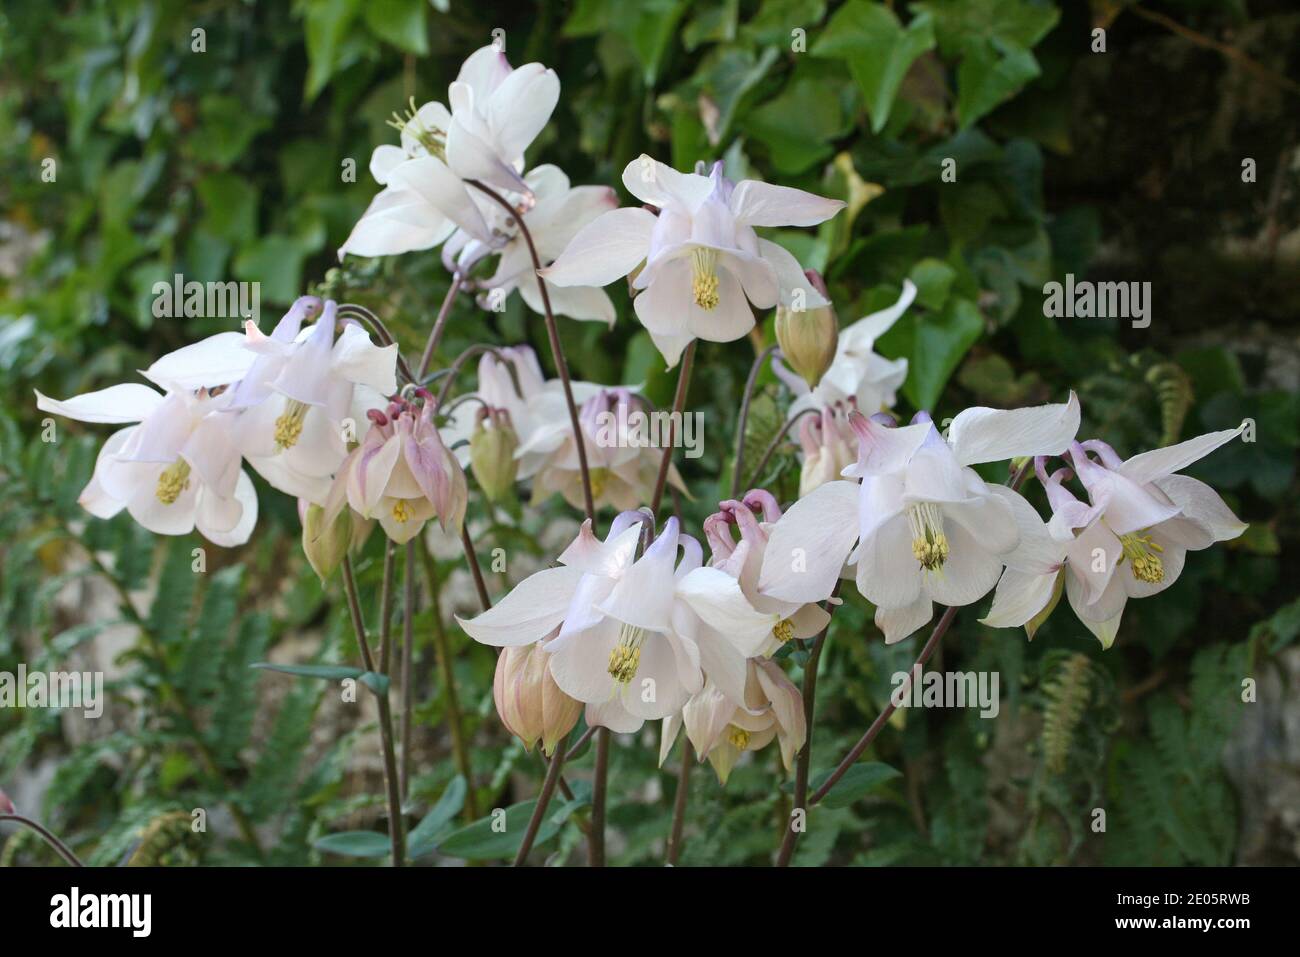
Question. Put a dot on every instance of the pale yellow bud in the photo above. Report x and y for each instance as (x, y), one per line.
(324, 543)
(529, 702)
(492, 456)
(808, 336)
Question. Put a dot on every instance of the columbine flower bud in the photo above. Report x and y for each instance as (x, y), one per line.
(324, 542)
(808, 337)
(492, 454)
(827, 451)
(530, 703)
(6, 805)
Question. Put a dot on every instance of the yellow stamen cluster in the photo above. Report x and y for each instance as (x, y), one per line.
(409, 122)
(599, 479)
(173, 480)
(401, 512)
(738, 737)
(626, 656)
(783, 630)
(288, 427)
(929, 543)
(704, 277)
(1147, 567)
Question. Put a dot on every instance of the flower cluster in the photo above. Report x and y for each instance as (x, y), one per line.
(639, 625)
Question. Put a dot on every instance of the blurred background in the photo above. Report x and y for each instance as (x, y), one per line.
(1171, 155)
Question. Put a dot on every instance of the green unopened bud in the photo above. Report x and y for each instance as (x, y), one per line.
(807, 336)
(325, 543)
(492, 455)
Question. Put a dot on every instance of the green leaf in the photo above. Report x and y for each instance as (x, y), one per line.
(934, 345)
(990, 74)
(878, 48)
(494, 837)
(373, 680)
(355, 844)
(933, 278)
(800, 124)
(327, 25)
(424, 837)
(229, 206)
(400, 22)
(858, 781)
(276, 262)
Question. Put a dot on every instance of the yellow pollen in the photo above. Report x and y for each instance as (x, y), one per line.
(626, 656)
(599, 477)
(783, 630)
(288, 427)
(929, 543)
(738, 737)
(174, 480)
(704, 277)
(409, 122)
(1146, 566)
(400, 512)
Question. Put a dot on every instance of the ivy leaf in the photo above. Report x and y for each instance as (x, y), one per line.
(400, 22)
(991, 73)
(878, 48)
(934, 345)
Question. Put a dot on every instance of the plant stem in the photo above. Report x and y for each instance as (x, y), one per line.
(408, 653)
(543, 800)
(557, 350)
(738, 461)
(386, 606)
(596, 840)
(451, 699)
(679, 404)
(439, 326)
(679, 801)
(396, 826)
(471, 556)
(46, 835)
(791, 836)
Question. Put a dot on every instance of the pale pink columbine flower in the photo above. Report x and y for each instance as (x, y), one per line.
(1130, 542)
(857, 377)
(301, 402)
(926, 527)
(705, 269)
(401, 473)
(827, 444)
(555, 215)
(622, 462)
(529, 702)
(721, 729)
(496, 112)
(177, 470)
(743, 561)
(632, 638)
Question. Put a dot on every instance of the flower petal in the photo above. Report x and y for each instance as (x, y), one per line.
(607, 248)
(129, 402)
(991, 435)
(806, 549)
(1149, 466)
(761, 204)
(531, 611)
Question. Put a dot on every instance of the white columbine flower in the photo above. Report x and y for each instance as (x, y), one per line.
(301, 402)
(175, 471)
(1130, 542)
(632, 638)
(496, 112)
(743, 561)
(558, 212)
(926, 526)
(722, 730)
(703, 263)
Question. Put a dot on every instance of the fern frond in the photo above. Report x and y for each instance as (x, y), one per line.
(1173, 388)
(1066, 695)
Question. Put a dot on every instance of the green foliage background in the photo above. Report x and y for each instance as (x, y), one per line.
(228, 163)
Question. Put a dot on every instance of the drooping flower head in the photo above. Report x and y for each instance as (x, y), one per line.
(401, 473)
(702, 268)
